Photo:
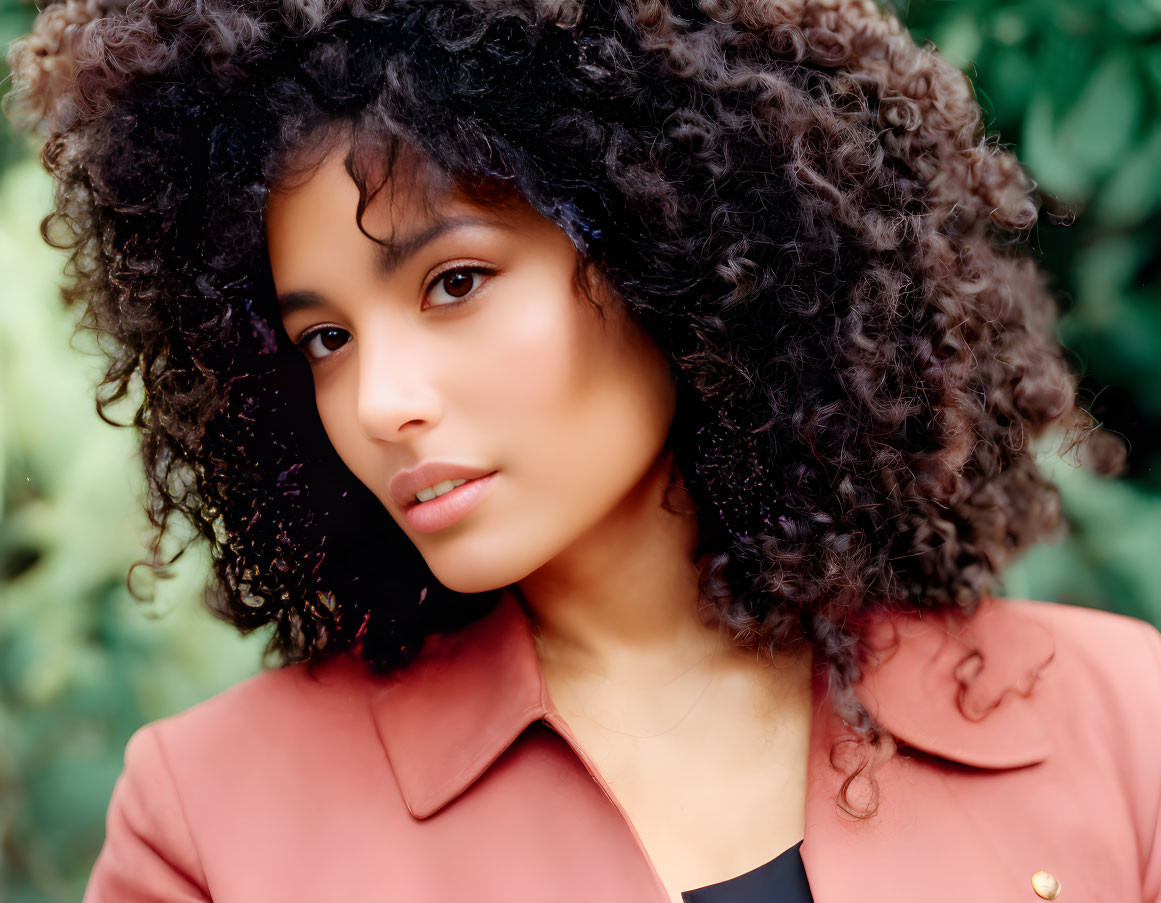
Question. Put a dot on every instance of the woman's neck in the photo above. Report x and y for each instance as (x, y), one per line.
(623, 601)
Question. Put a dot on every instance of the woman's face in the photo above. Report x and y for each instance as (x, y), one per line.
(470, 345)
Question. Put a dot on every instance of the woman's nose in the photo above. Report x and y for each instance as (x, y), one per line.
(394, 389)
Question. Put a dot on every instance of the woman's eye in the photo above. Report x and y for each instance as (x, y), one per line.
(329, 338)
(457, 284)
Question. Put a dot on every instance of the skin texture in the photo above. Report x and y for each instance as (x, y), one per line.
(573, 518)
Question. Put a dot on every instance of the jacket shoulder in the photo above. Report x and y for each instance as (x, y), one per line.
(148, 852)
(1121, 652)
(1100, 685)
(1068, 616)
(291, 706)
(214, 754)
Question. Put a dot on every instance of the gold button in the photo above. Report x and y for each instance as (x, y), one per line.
(1045, 886)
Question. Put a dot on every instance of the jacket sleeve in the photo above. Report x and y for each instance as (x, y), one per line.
(149, 853)
(1151, 867)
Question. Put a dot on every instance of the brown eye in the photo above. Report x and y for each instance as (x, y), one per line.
(329, 338)
(332, 339)
(458, 283)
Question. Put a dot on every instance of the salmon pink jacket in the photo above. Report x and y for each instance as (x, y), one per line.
(1027, 767)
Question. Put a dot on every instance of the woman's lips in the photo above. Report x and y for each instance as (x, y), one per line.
(447, 509)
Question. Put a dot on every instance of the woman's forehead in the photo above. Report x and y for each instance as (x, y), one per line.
(396, 177)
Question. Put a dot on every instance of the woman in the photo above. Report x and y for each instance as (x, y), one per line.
(657, 565)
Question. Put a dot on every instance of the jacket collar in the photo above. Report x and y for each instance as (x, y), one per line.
(960, 687)
(453, 711)
(954, 687)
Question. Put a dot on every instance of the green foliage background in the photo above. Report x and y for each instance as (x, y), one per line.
(1073, 86)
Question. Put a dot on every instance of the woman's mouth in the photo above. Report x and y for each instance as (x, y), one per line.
(447, 509)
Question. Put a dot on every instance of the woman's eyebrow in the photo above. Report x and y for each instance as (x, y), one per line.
(393, 253)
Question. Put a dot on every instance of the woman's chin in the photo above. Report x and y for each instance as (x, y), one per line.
(474, 576)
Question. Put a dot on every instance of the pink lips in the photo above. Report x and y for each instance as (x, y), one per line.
(444, 510)
(406, 483)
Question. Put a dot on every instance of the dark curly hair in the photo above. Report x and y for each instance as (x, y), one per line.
(797, 203)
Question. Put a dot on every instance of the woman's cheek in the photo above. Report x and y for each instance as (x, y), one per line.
(521, 376)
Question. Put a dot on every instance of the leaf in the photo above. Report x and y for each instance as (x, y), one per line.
(1137, 18)
(1134, 190)
(958, 39)
(1041, 153)
(1151, 59)
(1069, 152)
(1100, 126)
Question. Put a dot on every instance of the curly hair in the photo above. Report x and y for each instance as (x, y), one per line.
(798, 204)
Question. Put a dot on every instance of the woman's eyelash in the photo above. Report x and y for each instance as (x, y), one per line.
(451, 271)
(305, 339)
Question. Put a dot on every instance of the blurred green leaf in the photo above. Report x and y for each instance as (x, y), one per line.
(1070, 148)
(1151, 60)
(1143, 19)
(1134, 191)
(1099, 127)
(1045, 157)
(1109, 558)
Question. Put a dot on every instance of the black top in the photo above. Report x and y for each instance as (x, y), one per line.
(781, 880)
